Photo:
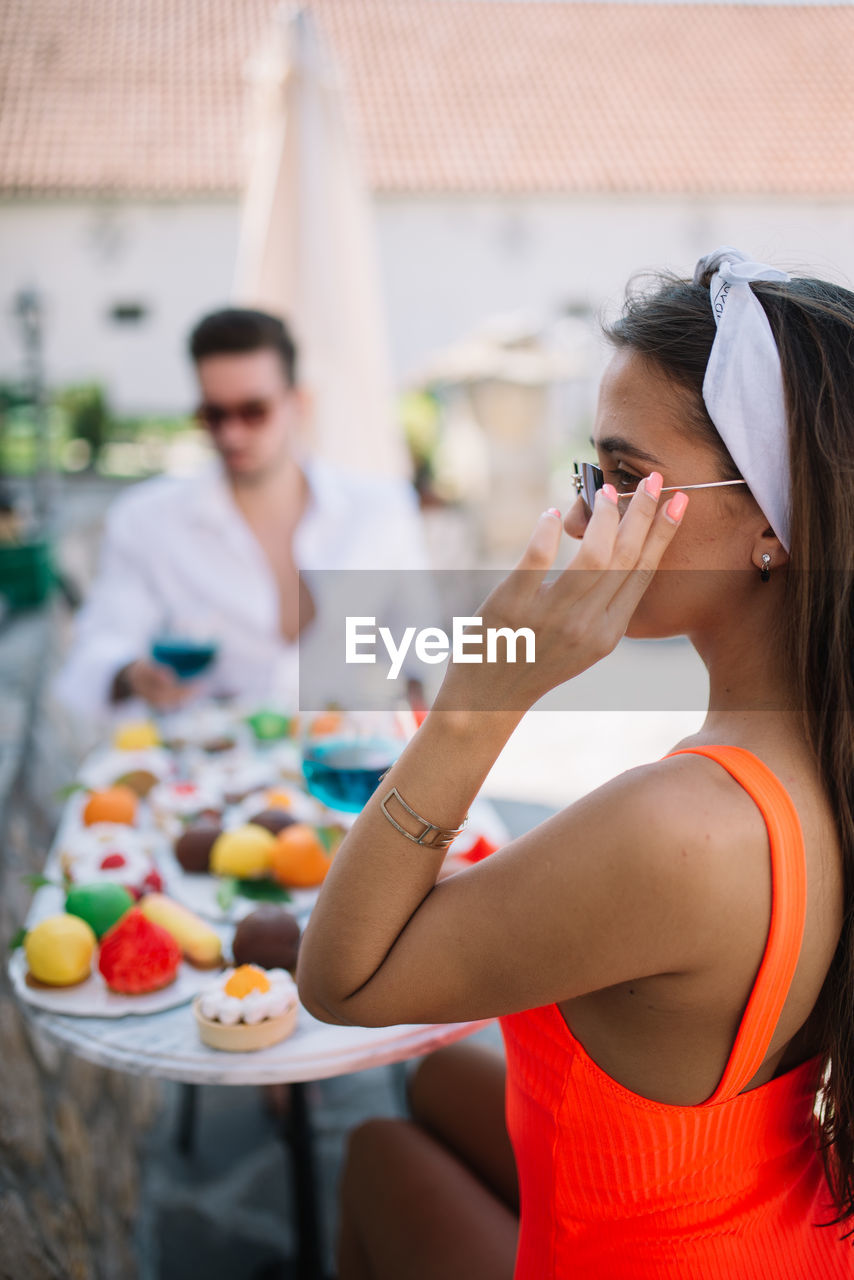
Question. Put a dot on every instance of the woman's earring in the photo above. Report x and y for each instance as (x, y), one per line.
(765, 572)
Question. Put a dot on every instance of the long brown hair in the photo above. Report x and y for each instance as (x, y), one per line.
(669, 321)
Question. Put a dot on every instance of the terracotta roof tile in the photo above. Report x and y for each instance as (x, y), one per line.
(148, 96)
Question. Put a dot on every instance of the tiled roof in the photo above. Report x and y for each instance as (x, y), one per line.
(148, 96)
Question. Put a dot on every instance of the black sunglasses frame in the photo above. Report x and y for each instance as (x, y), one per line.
(588, 478)
(251, 413)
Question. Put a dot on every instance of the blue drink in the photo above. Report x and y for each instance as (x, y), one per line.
(186, 657)
(344, 773)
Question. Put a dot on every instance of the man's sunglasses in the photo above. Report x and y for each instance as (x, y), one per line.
(588, 478)
(252, 413)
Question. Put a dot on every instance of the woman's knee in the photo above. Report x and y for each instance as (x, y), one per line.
(428, 1080)
(368, 1148)
(457, 1096)
(451, 1072)
(408, 1207)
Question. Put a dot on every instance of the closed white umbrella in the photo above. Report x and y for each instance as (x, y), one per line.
(307, 248)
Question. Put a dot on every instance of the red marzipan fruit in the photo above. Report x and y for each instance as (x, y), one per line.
(481, 849)
(153, 883)
(138, 955)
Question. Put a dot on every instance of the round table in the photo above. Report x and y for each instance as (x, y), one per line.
(166, 1045)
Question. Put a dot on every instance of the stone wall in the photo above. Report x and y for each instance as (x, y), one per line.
(69, 1131)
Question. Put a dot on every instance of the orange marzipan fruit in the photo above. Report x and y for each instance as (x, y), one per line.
(278, 799)
(325, 722)
(299, 859)
(246, 978)
(115, 804)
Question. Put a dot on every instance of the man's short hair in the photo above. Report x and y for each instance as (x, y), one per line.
(236, 330)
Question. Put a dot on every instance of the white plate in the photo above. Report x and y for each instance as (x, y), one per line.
(198, 891)
(94, 999)
(106, 764)
(302, 807)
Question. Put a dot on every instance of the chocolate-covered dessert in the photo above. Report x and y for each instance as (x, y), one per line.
(268, 937)
(140, 781)
(193, 846)
(273, 820)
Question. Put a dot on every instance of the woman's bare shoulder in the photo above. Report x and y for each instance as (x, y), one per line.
(680, 796)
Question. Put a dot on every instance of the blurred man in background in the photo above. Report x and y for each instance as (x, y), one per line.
(219, 553)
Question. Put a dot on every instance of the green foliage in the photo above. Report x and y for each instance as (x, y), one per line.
(256, 890)
(38, 882)
(420, 417)
(157, 426)
(418, 412)
(226, 893)
(12, 396)
(83, 432)
(263, 891)
(87, 415)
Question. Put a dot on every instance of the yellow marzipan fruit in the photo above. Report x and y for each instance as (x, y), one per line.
(59, 950)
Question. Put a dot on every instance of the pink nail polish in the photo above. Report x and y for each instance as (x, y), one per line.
(676, 505)
(552, 511)
(652, 484)
(610, 492)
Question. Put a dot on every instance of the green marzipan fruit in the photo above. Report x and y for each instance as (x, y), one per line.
(100, 905)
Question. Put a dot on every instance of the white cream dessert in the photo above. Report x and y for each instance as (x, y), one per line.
(107, 851)
(104, 768)
(195, 726)
(300, 806)
(237, 776)
(248, 994)
(173, 801)
(247, 1008)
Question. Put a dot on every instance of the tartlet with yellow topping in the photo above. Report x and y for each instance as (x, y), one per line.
(247, 1008)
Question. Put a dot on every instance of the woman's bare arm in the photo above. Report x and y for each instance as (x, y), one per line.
(626, 883)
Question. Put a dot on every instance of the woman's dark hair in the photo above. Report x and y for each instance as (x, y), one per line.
(237, 330)
(669, 322)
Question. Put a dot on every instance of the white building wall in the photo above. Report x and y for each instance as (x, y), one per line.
(447, 264)
(85, 257)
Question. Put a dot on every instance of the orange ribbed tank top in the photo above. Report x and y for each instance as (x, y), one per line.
(615, 1186)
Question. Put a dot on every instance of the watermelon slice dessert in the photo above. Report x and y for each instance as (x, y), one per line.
(138, 956)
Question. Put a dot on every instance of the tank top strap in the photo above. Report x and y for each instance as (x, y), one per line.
(788, 913)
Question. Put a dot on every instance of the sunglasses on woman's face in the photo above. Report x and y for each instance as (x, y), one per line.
(588, 478)
(252, 413)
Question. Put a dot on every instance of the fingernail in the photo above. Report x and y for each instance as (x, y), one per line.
(652, 484)
(610, 492)
(552, 511)
(676, 505)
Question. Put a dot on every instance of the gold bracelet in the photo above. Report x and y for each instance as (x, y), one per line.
(431, 835)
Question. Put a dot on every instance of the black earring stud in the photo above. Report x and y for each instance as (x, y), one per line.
(765, 572)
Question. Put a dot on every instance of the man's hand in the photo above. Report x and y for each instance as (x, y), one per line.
(155, 683)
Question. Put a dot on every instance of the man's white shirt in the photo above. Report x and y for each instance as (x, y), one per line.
(178, 554)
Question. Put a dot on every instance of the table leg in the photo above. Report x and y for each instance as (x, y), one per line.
(298, 1135)
(188, 1106)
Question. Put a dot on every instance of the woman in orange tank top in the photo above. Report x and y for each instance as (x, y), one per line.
(671, 957)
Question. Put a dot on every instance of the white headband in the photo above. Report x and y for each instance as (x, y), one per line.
(743, 386)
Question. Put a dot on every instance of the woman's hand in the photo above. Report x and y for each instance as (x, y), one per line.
(577, 618)
(386, 944)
